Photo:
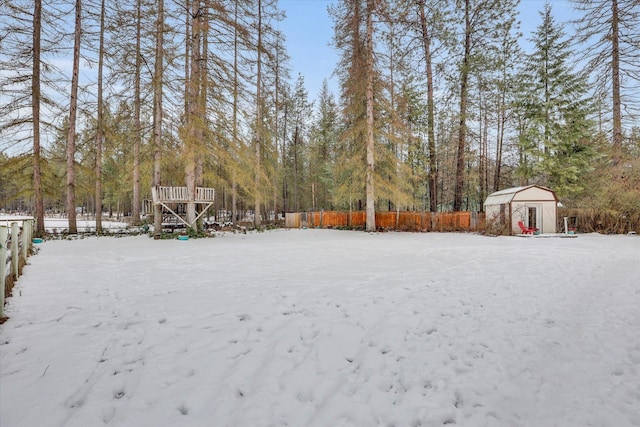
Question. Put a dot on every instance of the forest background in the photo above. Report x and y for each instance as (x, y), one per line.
(438, 105)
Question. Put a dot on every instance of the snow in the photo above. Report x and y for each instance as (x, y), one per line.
(57, 225)
(325, 328)
(61, 225)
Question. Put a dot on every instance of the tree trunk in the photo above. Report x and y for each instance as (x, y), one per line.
(100, 127)
(484, 154)
(284, 161)
(187, 53)
(193, 118)
(276, 132)
(35, 106)
(137, 140)
(615, 74)
(73, 107)
(431, 138)
(202, 99)
(157, 113)
(296, 202)
(462, 129)
(502, 120)
(235, 142)
(370, 190)
(258, 131)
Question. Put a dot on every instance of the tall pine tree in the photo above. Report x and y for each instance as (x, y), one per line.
(558, 110)
(609, 30)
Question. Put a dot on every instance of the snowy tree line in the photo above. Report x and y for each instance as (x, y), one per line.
(439, 105)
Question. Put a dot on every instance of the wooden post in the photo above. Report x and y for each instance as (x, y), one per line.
(4, 234)
(15, 246)
(510, 222)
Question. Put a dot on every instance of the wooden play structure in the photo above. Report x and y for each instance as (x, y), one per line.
(173, 200)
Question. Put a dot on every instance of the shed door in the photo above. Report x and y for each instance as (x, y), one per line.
(534, 216)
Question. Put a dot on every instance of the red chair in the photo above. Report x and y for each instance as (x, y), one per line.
(525, 229)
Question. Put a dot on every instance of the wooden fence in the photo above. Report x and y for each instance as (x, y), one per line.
(599, 221)
(401, 221)
(16, 237)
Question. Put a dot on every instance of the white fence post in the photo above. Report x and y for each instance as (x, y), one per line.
(15, 246)
(26, 239)
(4, 234)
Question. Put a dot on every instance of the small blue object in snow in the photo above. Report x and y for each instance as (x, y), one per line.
(37, 240)
(182, 237)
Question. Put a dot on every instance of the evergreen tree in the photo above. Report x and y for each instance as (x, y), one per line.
(323, 140)
(558, 110)
(427, 37)
(71, 136)
(158, 109)
(608, 32)
(508, 55)
(349, 170)
(394, 177)
(479, 20)
(194, 130)
(369, 65)
(295, 164)
(100, 129)
(29, 39)
(35, 109)
(366, 168)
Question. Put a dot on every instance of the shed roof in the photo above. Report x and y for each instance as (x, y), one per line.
(506, 196)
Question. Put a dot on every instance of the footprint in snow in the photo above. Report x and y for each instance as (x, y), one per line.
(108, 415)
(618, 372)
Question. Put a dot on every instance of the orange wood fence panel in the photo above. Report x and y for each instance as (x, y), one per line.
(386, 220)
(403, 221)
(414, 221)
(358, 219)
(333, 219)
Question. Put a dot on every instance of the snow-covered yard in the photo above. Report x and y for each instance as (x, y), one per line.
(61, 225)
(325, 328)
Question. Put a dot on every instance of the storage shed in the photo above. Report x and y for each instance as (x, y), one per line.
(534, 205)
